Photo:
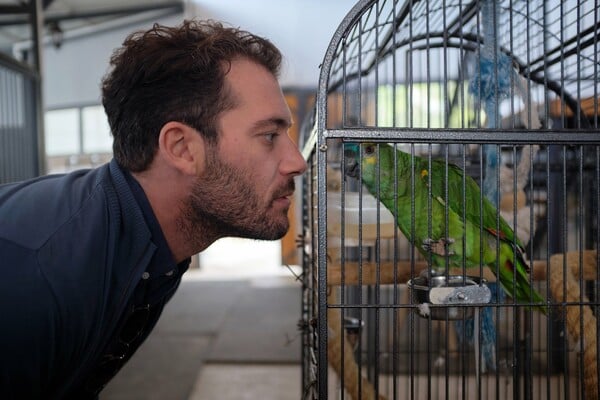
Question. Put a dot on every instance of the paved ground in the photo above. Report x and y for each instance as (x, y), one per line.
(221, 336)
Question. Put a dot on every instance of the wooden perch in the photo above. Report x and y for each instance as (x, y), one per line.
(401, 271)
(580, 320)
(340, 354)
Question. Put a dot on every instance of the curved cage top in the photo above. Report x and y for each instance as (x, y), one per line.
(463, 64)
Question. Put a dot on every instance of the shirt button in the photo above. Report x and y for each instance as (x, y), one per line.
(146, 275)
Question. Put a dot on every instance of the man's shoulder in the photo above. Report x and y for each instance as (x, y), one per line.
(32, 210)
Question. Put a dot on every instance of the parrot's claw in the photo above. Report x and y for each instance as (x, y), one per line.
(424, 310)
(439, 247)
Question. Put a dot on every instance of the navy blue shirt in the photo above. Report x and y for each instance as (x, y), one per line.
(86, 272)
(158, 284)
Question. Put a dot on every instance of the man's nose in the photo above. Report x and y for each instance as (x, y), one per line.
(293, 162)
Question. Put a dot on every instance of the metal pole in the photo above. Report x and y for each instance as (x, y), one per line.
(37, 28)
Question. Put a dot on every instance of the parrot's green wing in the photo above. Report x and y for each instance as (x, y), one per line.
(465, 199)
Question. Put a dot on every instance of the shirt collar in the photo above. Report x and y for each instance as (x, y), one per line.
(162, 262)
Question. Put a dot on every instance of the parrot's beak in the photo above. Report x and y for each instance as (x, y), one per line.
(351, 165)
(351, 168)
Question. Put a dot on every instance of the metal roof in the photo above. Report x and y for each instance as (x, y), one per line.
(64, 17)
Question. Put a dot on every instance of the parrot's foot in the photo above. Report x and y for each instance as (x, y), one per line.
(439, 247)
(424, 310)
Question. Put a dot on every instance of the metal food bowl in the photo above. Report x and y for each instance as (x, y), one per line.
(443, 297)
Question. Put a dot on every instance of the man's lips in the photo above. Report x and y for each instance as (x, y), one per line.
(284, 196)
(284, 200)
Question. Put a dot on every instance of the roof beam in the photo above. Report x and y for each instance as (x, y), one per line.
(14, 9)
(57, 17)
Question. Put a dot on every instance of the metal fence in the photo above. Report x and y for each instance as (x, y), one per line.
(19, 121)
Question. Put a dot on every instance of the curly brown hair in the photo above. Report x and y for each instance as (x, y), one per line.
(174, 74)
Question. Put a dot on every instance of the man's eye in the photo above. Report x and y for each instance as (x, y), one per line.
(270, 136)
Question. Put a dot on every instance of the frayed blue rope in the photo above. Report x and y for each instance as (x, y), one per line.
(490, 84)
(492, 81)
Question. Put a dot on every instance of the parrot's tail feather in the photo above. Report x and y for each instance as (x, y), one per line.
(521, 289)
(521, 257)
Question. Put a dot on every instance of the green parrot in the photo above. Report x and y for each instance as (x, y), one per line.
(449, 230)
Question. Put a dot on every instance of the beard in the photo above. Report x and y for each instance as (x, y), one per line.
(224, 202)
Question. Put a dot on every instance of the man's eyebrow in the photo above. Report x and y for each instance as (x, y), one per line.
(279, 122)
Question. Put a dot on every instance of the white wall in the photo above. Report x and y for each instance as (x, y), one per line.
(302, 29)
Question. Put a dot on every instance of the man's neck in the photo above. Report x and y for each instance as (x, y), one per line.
(166, 196)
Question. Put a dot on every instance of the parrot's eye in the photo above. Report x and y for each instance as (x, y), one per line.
(370, 149)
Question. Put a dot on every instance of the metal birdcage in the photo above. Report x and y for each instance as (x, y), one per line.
(507, 91)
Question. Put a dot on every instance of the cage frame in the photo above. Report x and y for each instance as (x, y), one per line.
(315, 148)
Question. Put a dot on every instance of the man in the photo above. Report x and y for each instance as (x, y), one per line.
(89, 259)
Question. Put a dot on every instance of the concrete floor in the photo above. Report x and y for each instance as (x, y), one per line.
(230, 332)
(224, 381)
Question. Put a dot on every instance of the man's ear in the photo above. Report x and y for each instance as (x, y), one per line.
(182, 147)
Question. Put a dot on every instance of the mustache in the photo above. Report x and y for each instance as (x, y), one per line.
(288, 188)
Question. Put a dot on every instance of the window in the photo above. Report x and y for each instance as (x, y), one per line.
(77, 137)
(96, 132)
(62, 132)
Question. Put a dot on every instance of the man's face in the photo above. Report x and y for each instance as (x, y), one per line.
(246, 187)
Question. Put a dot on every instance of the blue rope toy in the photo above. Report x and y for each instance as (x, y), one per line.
(492, 82)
